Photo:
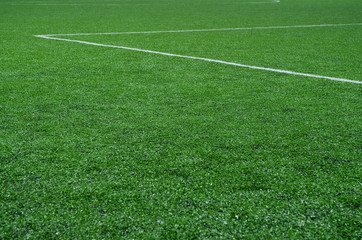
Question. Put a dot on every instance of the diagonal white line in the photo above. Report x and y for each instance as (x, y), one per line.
(209, 30)
(204, 59)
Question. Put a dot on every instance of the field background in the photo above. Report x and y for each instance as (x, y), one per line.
(101, 143)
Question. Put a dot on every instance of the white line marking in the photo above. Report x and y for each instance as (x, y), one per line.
(205, 59)
(209, 30)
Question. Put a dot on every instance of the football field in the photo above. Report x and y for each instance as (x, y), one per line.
(180, 119)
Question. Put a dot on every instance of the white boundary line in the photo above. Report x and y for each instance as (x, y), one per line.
(51, 37)
(207, 30)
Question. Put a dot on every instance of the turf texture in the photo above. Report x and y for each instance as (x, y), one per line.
(103, 143)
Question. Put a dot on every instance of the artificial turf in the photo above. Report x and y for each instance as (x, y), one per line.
(102, 143)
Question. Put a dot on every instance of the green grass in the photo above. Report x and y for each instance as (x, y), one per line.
(102, 143)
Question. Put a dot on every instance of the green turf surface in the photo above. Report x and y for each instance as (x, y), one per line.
(102, 143)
